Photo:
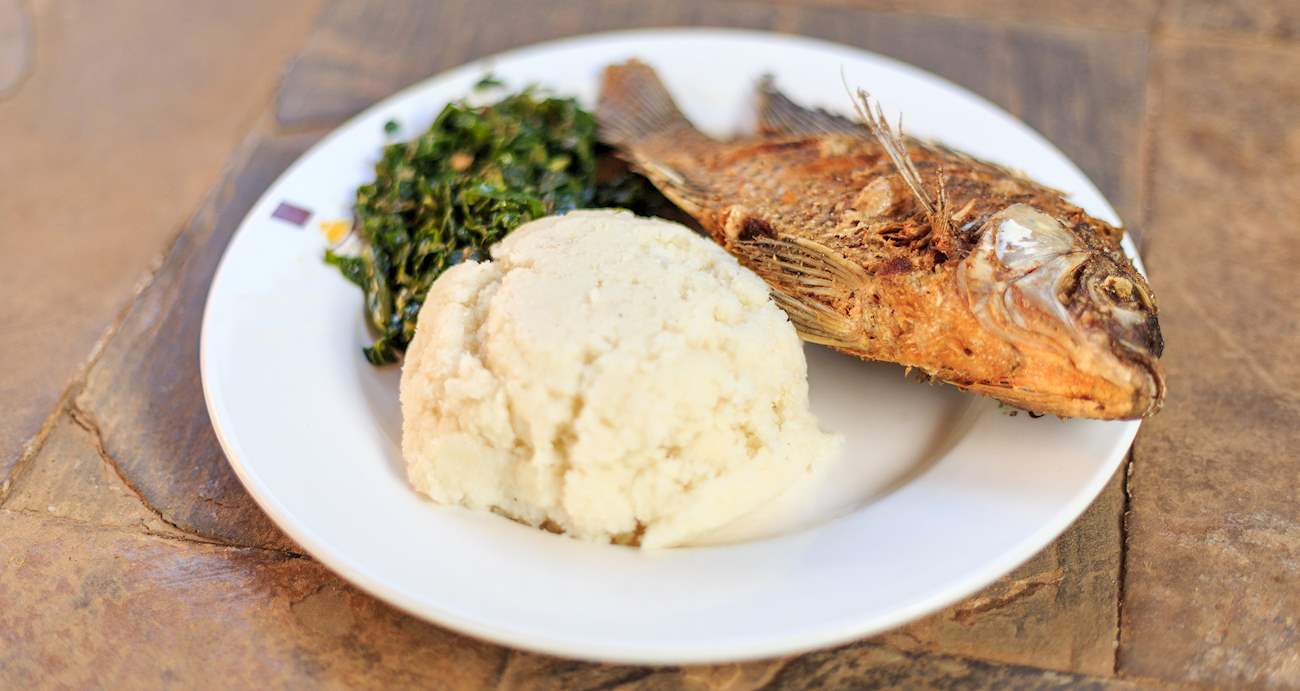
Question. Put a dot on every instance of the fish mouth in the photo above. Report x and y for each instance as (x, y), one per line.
(1124, 311)
(1149, 394)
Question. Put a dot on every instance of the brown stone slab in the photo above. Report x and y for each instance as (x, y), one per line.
(84, 607)
(361, 52)
(1082, 89)
(144, 397)
(870, 666)
(15, 45)
(1115, 15)
(863, 665)
(71, 479)
(1276, 19)
(122, 122)
(1212, 592)
(524, 671)
(1057, 611)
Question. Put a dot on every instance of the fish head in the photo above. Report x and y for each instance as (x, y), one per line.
(1061, 298)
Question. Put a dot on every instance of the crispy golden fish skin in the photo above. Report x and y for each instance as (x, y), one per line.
(894, 249)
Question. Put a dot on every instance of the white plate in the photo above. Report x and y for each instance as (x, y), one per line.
(938, 493)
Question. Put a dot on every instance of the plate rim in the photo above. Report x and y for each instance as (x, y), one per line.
(739, 649)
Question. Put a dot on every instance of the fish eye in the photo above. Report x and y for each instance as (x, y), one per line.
(1123, 292)
(1118, 288)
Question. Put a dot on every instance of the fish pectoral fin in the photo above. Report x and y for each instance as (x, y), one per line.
(816, 322)
(807, 259)
(814, 284)
(777, 114)
(684, 191)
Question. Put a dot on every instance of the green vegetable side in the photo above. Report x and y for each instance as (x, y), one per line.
(447, 195)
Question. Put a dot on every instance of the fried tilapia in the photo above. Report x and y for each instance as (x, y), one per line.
(896, 249)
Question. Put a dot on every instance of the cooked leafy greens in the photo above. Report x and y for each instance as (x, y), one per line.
(447, 195)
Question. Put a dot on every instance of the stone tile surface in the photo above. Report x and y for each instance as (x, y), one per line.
(1114, 15)
(1270, 19)
(71, 478)
(868, 666)
(84, 607)
(1213, 556)
(15, 45)
(361, 52)
(128, 114)
(144, 397)
(864, 665)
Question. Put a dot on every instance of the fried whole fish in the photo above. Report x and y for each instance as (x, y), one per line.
(895, 249)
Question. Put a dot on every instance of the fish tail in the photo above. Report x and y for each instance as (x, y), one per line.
(635, 106)
(636, 114)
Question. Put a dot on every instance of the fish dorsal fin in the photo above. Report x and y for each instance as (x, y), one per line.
(892, 142)
(636, 113)
(1016, 173)
(777, 114)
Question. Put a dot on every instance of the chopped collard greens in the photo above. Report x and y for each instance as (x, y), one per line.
(445, 196)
